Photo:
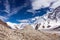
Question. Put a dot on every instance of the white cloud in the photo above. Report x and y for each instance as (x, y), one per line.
(7, 6)
(56, 4)
(32, 11)
(3, 18)
(24, 21)
(28, 20)
(11, 11)
(15, 10)
(33, 19)
(37, 4)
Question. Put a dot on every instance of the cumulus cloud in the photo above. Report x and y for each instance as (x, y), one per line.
(37, 4)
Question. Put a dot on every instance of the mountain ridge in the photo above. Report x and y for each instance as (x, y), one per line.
(52, 19)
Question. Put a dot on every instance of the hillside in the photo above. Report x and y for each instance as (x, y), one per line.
(28, 33)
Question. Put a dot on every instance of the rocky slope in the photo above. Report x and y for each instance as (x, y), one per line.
(28, 33)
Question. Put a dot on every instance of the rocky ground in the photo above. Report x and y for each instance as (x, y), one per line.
(28, 33)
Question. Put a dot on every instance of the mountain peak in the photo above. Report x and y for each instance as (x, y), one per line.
(49, 20)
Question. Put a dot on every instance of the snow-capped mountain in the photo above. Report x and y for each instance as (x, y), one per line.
(49, 20)
(17, 26)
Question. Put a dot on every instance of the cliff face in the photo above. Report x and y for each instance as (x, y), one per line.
(28, 33)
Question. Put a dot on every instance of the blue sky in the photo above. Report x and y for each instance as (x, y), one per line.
(15, 10)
